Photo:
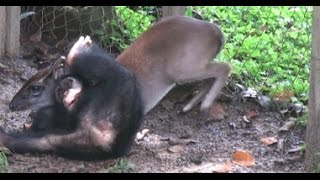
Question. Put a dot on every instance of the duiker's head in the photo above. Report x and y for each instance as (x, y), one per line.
(39, 90)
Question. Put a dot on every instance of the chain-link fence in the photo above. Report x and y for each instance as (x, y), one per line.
(268, 47)
(114, 28)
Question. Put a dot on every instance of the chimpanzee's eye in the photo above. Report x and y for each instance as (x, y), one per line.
(92, 82)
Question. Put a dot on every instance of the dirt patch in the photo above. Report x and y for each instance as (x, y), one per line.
(176, 142)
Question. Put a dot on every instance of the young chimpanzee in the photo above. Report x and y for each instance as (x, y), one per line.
(107, 109)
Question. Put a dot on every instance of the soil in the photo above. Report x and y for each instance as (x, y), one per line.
(176, 142)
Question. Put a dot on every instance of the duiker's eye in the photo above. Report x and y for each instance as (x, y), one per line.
(36, 89)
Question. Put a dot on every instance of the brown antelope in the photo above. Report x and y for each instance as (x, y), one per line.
(177, 50)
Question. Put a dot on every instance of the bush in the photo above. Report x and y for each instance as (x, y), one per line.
(268, 47)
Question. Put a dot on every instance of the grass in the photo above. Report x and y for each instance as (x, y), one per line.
(121, 166)
(3, 162)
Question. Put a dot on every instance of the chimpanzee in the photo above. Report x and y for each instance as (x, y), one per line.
(107, 110)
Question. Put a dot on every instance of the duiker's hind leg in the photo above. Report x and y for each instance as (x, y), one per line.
(204, 88)
(219, 71)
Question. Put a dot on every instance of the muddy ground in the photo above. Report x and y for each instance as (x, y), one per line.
(210, 142)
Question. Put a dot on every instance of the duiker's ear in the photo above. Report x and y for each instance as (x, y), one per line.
(59, 68)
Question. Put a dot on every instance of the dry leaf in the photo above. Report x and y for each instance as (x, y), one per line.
(173, 141)
(176, 149)
(145, 131)
(243, 158)
(223, 168)
(142, 134)
(36, 37)
(264, 27)
(251, 114)
(300, 148)
(280, 144)
(217, 112)
(284, 96)
(288, 125)
(41, 48)
(268, 140)
(210, 168)
(245, 119)
(62, 43)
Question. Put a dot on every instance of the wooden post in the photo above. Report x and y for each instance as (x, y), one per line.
(173, 10)
(313, 129)
(12, 45)
(2, 29)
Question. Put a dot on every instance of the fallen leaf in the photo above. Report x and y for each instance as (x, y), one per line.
(268, 140)
(139, 136)
(145, 131)
(62, 43)
(173, 141)
(295, 110)
(2, 66)
(243, 158)
(222, 168)
(280, 144)
(300, 148)
(264, 101)
(36, 37)
(264, 27)
(142, 134)
(176, 149)
(284, 96)
(249, 93)
(245, 119)
(288, 125)
(211, 168)
(225, 97)
(251, 114)
(217, 112)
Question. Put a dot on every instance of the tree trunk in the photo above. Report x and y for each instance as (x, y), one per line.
(173, 10)
(313, 128)
(2, 29)
(13, 30)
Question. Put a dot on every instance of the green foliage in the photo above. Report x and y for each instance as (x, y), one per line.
(136, 22)
(3, 162)
(302, 120)
(121, 166)
(128, 25)
(268, 47)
